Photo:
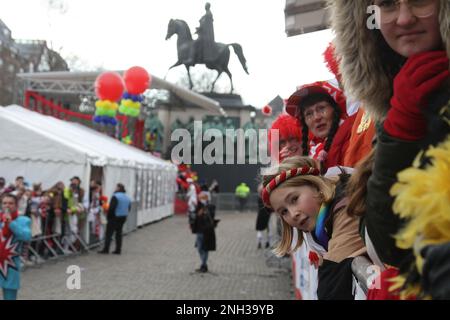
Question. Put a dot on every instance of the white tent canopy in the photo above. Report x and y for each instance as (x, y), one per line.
(45, 149)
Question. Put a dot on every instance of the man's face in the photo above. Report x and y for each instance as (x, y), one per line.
(9, 203)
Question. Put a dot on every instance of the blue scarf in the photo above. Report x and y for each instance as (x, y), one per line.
(320, 231)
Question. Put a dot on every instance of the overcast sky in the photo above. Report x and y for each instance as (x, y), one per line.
(118, 34)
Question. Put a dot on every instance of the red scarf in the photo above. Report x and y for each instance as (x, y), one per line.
(315, 146)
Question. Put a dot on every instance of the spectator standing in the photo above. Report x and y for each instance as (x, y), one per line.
(119, 208)
(242, 192)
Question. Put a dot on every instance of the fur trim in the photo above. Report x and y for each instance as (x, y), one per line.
(363, 71)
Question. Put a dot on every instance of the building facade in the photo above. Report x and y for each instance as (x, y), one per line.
(18, 56)
(304, 16)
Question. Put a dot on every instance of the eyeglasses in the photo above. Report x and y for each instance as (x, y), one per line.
(310, 112)
(390, 9)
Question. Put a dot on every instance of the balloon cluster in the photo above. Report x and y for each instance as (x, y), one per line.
(109, 88)
(137, 80)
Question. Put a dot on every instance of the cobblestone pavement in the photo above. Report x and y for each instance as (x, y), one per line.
(158, 262)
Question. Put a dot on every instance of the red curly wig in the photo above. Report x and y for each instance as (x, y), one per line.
(289, 127)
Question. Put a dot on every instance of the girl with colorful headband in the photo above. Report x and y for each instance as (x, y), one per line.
(315, 207)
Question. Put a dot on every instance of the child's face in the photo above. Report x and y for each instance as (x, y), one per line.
(298, 206)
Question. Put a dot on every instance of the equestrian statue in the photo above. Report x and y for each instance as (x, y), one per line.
(204, 50)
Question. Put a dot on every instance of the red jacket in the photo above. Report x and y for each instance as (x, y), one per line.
(340, 143)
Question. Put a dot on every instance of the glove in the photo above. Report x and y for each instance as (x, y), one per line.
(422, 74)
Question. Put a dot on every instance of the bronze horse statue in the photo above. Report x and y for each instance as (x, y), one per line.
(185, 45)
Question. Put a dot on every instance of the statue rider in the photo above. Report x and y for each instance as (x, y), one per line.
(204, 48)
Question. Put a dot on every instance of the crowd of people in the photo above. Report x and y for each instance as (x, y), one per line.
(359, 154)
(362, 170)
(58, 214)
(38, 224)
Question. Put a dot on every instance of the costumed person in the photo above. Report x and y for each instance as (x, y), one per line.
(321, 109)
(315, 207)
(399, 69)
(289, 135)
(289, 145)
(362, 134)
(14, 231)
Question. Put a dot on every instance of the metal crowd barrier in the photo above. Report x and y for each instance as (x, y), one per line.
(363, 271)
(229, 202)
(39, 250)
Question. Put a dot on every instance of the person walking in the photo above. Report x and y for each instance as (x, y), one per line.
(119, 208)
(203, 227)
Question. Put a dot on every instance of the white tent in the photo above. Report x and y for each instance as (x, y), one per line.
(45, 149)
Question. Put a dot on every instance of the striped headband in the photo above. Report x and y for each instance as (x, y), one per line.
(284, 176)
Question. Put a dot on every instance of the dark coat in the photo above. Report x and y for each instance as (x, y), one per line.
(206, 225)
(379, 219)
(335, 280)
(392, 156)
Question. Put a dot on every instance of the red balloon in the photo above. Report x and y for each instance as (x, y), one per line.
(137, 80)
(109, 86)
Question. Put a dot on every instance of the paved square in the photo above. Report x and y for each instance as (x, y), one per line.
(158, 262)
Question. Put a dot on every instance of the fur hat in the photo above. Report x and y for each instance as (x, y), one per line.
(360, 50)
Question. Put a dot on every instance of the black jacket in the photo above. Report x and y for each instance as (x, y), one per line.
(206, 224)
(262, 220)
(392, 156)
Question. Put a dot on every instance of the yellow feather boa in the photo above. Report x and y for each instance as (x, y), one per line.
(423, 199)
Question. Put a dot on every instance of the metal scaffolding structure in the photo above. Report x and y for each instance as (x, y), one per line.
(82, 83)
